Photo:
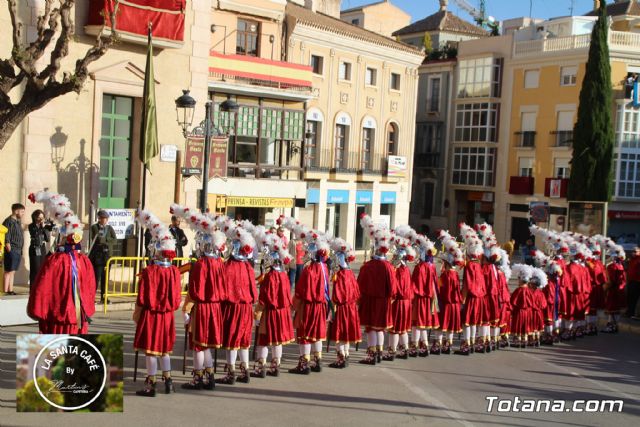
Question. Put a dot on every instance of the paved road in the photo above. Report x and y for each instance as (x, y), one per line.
(438, 390)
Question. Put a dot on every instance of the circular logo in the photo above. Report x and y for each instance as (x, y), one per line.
(84, 373)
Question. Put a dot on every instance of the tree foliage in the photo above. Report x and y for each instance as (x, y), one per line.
(28, 399)
(593, 134)
(35, 82)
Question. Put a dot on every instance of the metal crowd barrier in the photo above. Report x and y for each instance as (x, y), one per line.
(121, 276)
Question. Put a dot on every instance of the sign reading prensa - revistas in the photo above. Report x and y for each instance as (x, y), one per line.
(194, 155)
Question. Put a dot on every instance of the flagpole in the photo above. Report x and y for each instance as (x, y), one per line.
(143, 141)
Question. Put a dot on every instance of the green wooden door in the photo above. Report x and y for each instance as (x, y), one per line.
(115, 151)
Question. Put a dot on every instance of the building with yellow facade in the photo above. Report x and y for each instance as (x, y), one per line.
(381, 17)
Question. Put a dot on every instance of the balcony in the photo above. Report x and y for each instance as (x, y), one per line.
(563, 138)
(427, 160)
(619, 41)
(556, 187)
(521, 185)
(260, 72)
(526, 139)
(346, 162)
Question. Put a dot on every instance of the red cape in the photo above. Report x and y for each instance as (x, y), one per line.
(51, 299)
(449, 287)
(311, 285)
(424, 279)
(207, 280)
(377, 279)
(345, 288)
(240, 282)
(159, 288)
(404, 289)
(473, 279)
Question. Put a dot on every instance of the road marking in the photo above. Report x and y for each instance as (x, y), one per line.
(426, 397)
(575, 374)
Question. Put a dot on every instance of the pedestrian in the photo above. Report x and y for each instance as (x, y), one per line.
(40, 233)
(296, 248)
(158, 299)
(345, 324)
(104, 239)
(633, 284)
(178, 235)
(509, 247)
(280, 233)
(62, 298)
(527, 251)
(378, 283)
(614, 294)
(14, 242)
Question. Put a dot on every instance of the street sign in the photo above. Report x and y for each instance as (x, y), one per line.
(539, 211)
(122, 221)
(191, 171)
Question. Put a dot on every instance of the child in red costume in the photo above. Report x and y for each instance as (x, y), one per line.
(614, 295)
(522, 305)
(62, 297)
(202, 308)
(344, 329)
(158, 298)
(497, 273)
(579, 289)
(492, 279)
(377, 282)
(273, 311)
(402, 300)
(538, 283)
(450, 297)
(598, 274)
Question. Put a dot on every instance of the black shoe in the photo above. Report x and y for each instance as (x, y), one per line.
(244, 376)
(149, 389)
(340, 362)
(370, 359)
(389, 357)
(317, 365)
(302, 368)
(413, 351)
(259, 371)
(168, 385)
(379, 356)
(196, 383)
(229, 379)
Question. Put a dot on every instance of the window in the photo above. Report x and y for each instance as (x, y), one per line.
(433, 97)
(342, 136)
(480, 77)
(392, 139)
(395, 81)
(115, 151)
(627, 152)
(473, 166)
(427, 209)
(568, 76)
(429, 138)
(367, 148)
(317, 63)
(531, 79)
(370, 77)
(561, 168)
(527, 134)
(564, 132)
(345, 71)
(247, 38)
(628, 176)
(311, 144)
(477, 122)
(525, 166)
(355, 21)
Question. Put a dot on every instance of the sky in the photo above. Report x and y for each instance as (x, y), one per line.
(499, 9)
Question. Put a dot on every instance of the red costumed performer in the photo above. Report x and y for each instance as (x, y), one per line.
(538, 282)
(522, 305)
(450, 297)
(62, 297)
(158, 298)
(377, 282)
(598, 274)
(273, 311)
(614, 296)
(344, 329)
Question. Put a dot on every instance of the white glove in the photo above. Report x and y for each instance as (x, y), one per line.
(256, 323)
(187, 319)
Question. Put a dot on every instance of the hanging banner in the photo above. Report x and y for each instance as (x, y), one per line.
(194, 155)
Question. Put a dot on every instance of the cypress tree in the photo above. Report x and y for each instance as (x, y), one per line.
(593, 134)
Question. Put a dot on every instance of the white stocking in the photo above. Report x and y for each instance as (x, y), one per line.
(467, 334)
(473, 333)
(496, 332)
(165, 363)
(393, 341)
(372, 338)
(198, 360)
(439, 336)
(244, 356)
(152, 365)
(450, 337)
(340, 348)
(380, 339)
(424, 336)
(415, 335)
(262, 352)
(305, 349)
(208, 359)
(277, 352)
(404, 340)
(317, 347)
(346, 349)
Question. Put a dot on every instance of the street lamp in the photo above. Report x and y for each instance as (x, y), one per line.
(185, 107)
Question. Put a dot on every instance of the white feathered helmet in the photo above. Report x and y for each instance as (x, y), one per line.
(404, 251)
(425, 247)
(275, 254)
(58, 208)
(379, 234)
(539, 278)
(317, 243)
(473, 244)
(451, 252)
(343, 251)
(208, 239)
(523, 272)
(162, 244)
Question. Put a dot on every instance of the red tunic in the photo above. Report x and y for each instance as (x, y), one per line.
(598, 279)
(504, 300)
(491, 299)
(311, 303)
(345, 327)
(276, 327)
(614, 297)
(577, 292)
(564, 291)
(551, 294)
(377, 282)
(425, 296)
(51, 297)
(475, 310)
(159, 297)
(207, 289)
(540, 306)
(401, 306)
(237, 308)
(450, 299)
(522, 311)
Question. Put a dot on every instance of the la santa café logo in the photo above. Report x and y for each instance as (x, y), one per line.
(85, 373)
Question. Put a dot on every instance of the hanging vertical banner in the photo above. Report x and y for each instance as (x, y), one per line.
(194, 154)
